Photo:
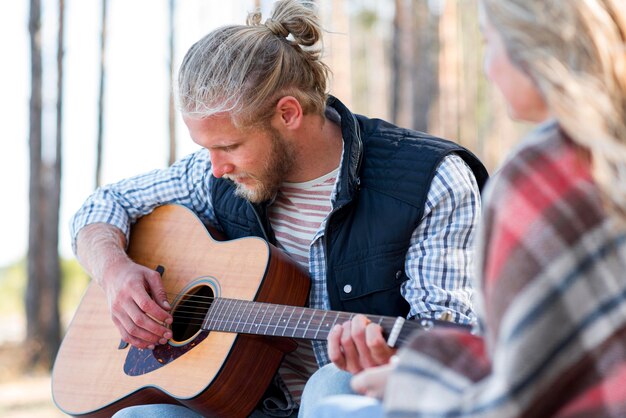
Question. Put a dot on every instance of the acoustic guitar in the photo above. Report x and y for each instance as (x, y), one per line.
(237, 306)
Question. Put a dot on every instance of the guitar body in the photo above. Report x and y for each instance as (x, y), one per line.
(215, 373)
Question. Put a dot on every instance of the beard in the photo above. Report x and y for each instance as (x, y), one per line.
(274, 172)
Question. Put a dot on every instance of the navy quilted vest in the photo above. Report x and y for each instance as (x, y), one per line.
(384, 182)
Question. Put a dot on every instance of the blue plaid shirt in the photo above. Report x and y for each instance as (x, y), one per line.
(438, 261)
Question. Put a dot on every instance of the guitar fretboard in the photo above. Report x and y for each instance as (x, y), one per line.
(241, 316)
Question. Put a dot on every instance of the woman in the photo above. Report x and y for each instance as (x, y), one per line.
(552, 252)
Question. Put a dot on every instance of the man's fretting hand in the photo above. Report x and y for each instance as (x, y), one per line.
(358, 344)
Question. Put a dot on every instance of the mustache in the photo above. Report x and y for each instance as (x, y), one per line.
(234, 177)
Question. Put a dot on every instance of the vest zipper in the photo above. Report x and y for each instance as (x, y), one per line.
(357, 132)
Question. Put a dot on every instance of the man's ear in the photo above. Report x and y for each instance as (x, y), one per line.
(288, 114)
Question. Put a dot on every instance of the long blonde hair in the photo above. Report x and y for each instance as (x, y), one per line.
(575, 51)
(243, 70)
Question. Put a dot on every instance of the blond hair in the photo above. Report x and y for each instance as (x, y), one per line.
(575, 51)
(243, 70)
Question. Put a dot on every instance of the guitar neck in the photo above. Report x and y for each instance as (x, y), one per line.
(247, 317)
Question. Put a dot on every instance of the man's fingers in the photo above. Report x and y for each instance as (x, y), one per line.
(147, 315)
(379, 349)
(134, 335)
(351, 353)
(151, 296)
(358, 328)
(140, 320)
(349, 345)
(335, 354)
(156, 290)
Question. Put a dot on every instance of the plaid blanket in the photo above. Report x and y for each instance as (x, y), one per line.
(552, 269)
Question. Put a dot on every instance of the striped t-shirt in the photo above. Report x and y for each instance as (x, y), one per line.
(296, 215)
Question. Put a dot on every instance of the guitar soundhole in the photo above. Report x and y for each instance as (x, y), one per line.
(190, 312)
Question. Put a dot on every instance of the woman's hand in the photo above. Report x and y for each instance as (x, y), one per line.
(372, 382)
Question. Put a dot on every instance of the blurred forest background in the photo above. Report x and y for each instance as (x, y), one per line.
(417, 63)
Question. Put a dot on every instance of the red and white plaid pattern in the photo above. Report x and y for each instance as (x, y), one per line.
(553, 287)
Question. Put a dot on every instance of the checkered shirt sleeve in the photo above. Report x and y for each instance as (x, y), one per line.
(186, 182)
(439, 260)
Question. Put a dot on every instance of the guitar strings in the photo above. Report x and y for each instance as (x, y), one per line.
(197, 317)
(197, 301)
(192, 317)
(314, 326)
(200, 299)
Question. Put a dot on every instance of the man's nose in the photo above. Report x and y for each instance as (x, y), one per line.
(220, 164)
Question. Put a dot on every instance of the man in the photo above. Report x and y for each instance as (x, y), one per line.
(382, 217)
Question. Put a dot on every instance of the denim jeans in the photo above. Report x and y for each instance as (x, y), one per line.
(325, 382)
(348, 406)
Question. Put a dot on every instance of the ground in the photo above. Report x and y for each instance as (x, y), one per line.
(23, 395)
(27, 394)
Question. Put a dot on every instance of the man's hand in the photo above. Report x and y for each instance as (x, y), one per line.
(372, 382)
(136, 297)
(358, 344)
(132, 292)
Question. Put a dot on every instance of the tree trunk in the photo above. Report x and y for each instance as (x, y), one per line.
(53, 287)
(99, 144)
(42, 291)
(402, 64)
(172, 108)
(35, 232)
(426, 68)
(445, 112)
